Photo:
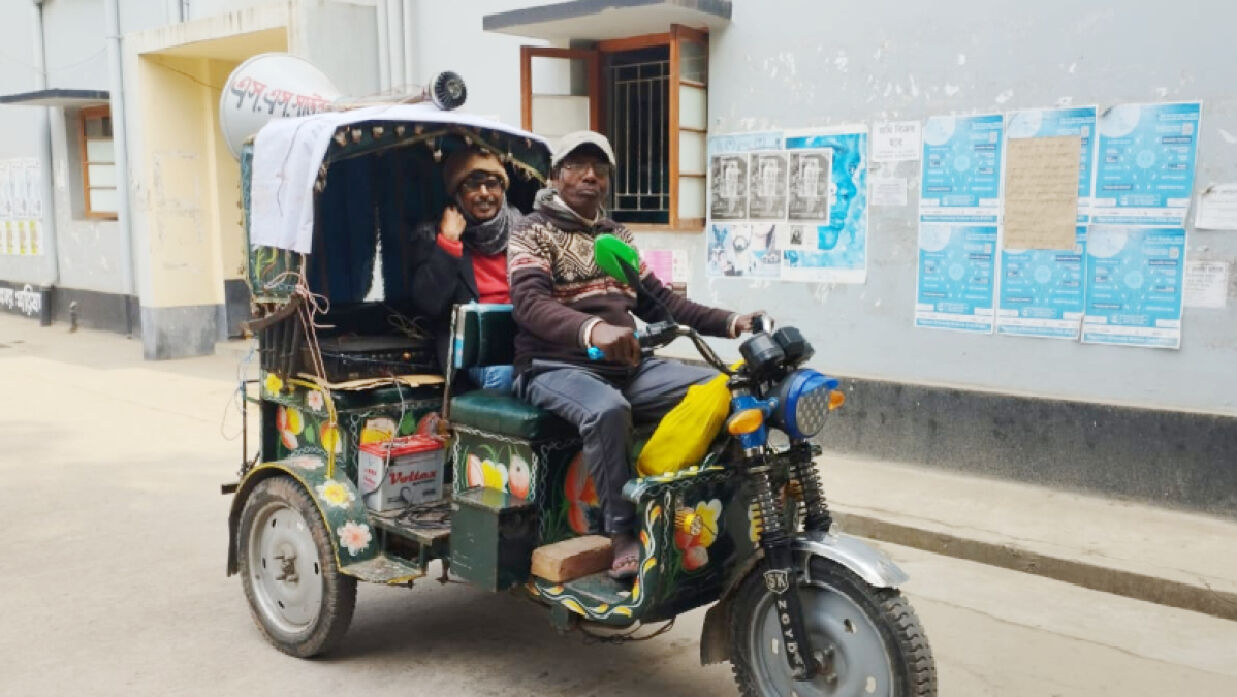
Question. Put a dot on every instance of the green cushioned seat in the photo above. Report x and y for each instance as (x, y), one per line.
(499, 412)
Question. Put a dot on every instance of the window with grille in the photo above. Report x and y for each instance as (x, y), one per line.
(648, 94)
(638, 120)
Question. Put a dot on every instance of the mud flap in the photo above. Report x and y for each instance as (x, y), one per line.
(715, 637)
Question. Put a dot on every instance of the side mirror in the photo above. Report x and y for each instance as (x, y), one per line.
(618, 259)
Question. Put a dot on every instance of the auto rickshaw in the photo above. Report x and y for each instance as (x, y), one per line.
(371, 463)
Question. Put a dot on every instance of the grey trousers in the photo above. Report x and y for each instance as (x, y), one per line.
(603, 407)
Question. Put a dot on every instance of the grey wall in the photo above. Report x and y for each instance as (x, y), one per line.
(20, 126)
(340, 41)
(89, 250)
(802, 63)
(449, 37)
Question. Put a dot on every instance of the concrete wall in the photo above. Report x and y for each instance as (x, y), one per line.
(21, 127)
(449, 37)
(817, 64)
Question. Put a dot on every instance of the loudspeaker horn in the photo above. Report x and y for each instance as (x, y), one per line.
(280, 85)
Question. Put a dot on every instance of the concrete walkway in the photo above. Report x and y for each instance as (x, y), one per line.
(1145, 552)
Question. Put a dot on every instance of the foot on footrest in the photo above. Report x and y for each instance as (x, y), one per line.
(570, 559)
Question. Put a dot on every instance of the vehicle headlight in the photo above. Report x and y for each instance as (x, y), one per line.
(803, 402)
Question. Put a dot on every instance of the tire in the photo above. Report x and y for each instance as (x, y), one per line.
(302, 604)
(877, 643)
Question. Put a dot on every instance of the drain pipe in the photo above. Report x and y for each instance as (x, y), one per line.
(50, 242)
(120, 140)
(411, 26)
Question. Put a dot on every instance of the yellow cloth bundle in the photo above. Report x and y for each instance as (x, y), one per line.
(686, 431)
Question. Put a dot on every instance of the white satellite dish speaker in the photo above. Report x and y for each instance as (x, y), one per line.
(281, 85)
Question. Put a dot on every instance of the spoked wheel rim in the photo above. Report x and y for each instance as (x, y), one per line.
(844, 639)
(287, 575)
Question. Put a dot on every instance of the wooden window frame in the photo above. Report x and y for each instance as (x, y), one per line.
(592, 58)
(87, 113)
(630, 43)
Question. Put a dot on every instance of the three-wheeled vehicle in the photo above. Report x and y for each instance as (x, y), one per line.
(371, 464)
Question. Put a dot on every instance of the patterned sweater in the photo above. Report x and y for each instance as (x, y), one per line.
(559, 292)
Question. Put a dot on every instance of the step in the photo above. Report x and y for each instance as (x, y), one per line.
(572, 558)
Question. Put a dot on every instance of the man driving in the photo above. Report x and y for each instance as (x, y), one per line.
(564, 303)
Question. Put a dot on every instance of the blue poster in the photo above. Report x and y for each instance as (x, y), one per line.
(955, 276)
(745, 142)
(832, 250)
(1042, 291)
(1134, 277)
(962, 168)
(1067, 121)
(1145, 170)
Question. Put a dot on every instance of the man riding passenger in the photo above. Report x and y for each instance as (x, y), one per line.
(564, 303)
(463, 257)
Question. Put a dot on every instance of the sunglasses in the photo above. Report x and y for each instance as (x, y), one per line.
(476, 182)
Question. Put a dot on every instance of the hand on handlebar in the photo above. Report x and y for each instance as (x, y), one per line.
(616, 343)
(748, 323)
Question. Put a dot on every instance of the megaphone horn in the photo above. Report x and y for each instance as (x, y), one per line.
(280, 85)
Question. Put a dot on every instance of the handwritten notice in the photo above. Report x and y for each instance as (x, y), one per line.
(894, 141)
(1206, 284)
(1217, 208)
(1041, 192)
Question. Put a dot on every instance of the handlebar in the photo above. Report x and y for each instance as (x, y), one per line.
(660, 334)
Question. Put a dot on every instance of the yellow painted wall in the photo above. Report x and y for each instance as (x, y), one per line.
(190, 183)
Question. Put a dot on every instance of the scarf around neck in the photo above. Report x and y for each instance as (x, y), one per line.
(488, 237)
(550, 204)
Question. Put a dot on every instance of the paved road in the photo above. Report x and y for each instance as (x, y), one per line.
(113, 582)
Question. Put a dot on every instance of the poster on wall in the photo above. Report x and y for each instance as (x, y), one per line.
(955, 282)
(768, 182)
(961, 179)
(21, 207)
(810, 172)
(832, 249)
(748, 179)
(896, 141)
(1134, 285)
(728, 193)
(1145, 167)
(744, 250)
(1042, 271)
(1042, 291)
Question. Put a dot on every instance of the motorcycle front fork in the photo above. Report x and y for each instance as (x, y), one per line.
(780, 576)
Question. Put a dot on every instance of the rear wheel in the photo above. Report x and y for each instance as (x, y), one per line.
(868, 640)
(297, 596)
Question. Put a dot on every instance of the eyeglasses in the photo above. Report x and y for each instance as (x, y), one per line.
(601, 169)
(478, 181)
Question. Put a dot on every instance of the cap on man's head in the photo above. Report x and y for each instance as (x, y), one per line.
(579, 139)
(465, 161)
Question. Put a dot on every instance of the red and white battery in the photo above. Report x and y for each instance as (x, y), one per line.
(401, 472)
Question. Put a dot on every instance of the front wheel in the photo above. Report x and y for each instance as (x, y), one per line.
(867, 640)
(297, 596)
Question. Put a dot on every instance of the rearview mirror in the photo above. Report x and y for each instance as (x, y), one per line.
(617, 259)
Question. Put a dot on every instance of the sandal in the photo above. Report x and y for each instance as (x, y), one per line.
(626, 558)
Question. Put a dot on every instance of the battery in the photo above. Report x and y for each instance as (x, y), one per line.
(401, 472)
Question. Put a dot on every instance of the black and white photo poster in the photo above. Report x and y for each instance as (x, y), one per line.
(768, 177)
(728, 186)
(809, 184)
